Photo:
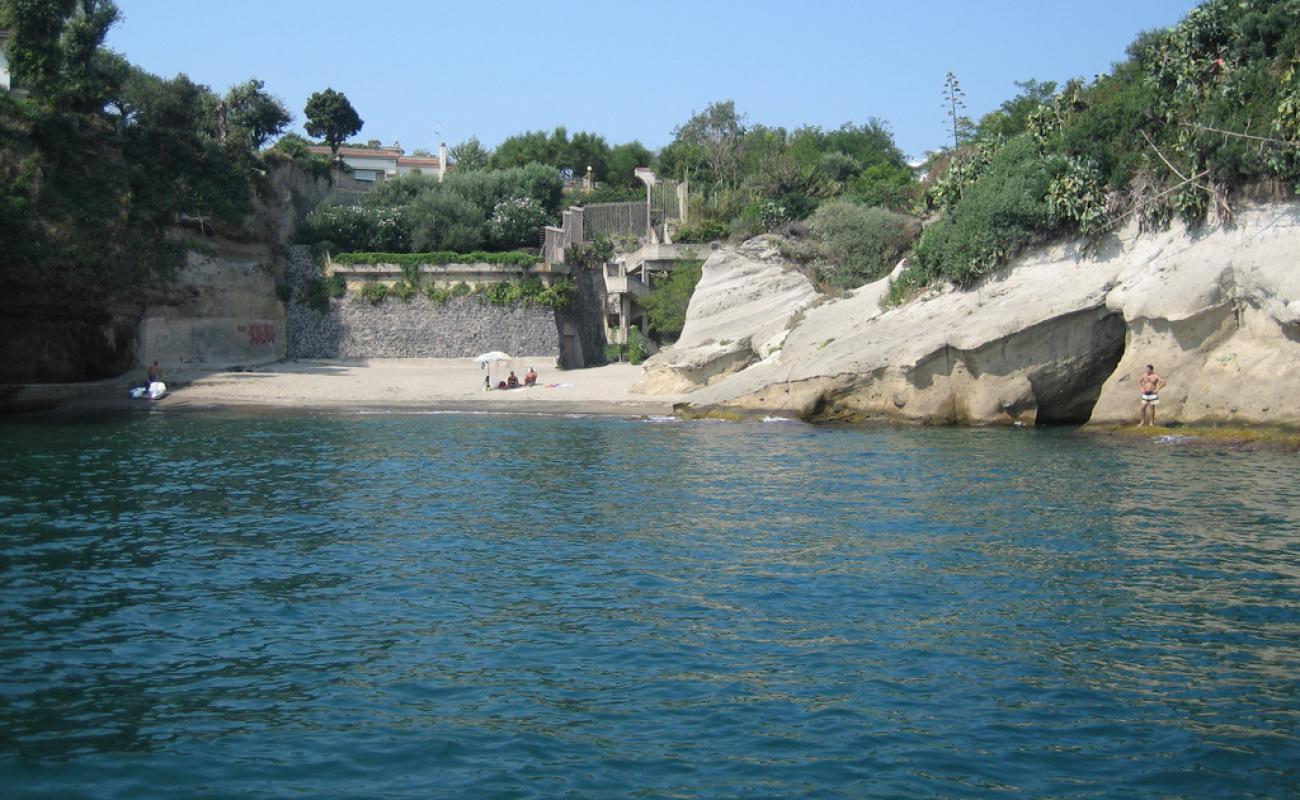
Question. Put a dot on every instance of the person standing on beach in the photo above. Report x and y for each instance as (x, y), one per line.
(155, 373)
(1150, 385)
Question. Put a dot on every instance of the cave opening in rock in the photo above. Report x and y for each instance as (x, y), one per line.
(1066, 396)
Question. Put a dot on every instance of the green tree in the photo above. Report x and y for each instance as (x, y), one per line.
(666, 306)
(533, 147)
(331, 117)
(248, 116)
(470, 155)
(622, 163)
(1012, 116)
(717, 132)
(55, 50)
(586, 150)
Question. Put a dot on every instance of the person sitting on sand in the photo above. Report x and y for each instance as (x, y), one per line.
(530, 378)
(1150, 385)
(513, 380)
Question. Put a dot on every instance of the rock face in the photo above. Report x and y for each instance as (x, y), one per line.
(1219, 318)
(739, 313)
(224, 306)
(1060, 336)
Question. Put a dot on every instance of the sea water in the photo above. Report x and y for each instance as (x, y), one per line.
(481, 606)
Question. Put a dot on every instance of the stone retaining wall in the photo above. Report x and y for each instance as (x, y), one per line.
(463, 327)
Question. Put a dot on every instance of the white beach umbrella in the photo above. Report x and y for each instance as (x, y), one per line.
(490, 359)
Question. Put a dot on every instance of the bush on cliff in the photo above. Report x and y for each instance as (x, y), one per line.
(1000, 214)
(862, 243)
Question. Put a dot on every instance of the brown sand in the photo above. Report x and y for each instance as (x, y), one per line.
(406, 383)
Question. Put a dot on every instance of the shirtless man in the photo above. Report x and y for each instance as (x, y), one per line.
(1150, 385)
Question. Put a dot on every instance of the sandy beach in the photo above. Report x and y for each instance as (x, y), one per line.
(454, 384)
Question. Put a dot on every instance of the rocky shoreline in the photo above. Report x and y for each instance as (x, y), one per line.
(1060, 336)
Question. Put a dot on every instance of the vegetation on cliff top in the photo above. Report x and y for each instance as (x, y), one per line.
(1194, 115)
(98, 159)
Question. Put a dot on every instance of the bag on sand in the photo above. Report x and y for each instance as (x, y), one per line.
(157, 390)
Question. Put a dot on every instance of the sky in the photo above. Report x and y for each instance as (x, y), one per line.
(424, 72)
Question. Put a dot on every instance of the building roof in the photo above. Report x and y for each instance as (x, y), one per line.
(358, 152)
(381, 153)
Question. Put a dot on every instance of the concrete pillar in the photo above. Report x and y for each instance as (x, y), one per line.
(442, 160)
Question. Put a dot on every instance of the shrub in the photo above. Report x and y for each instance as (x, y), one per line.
(589, 255)
(336, 286)
(703, 232)
(527, 292)
(404, 290)
(636, 349)
(445, 221)
(356, 228)
(666, 306)
(516, 222)
(865, 243)
(908, 281)
(373, 292)
(997, 216)
(436, 258)
(438, 295)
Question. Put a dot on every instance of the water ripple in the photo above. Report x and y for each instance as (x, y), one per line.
(406, 605)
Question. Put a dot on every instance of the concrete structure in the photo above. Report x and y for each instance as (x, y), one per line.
(630, 275)
(445, 275)
(461, 327)
(375, 164)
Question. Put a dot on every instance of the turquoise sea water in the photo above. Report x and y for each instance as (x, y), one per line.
(414, 606)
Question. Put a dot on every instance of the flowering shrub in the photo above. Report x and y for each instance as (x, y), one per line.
(357, 228)
(516, 222)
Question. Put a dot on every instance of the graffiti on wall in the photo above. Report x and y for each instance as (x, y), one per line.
(261, 333)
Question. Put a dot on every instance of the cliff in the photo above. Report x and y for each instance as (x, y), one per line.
(1059, 336)
(219, 308)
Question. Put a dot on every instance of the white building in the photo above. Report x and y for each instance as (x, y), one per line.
(373, 164)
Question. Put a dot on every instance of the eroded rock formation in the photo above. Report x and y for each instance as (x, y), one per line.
(1060, 336)
(742, 306)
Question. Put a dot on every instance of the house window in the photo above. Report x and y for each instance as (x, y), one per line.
(368, 175)
(612, 320)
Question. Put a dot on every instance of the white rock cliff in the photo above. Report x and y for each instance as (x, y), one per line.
(1059, 336)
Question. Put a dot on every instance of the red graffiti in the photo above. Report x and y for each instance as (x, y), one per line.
(261, 333)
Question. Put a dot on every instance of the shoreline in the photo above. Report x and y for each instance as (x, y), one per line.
(454, 386)
(374, 385)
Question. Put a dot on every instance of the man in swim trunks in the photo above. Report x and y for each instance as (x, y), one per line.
(1150, 385)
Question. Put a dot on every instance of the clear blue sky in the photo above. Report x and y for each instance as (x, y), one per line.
(423, 71)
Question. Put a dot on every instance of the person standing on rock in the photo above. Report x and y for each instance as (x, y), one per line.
(1150, 385)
